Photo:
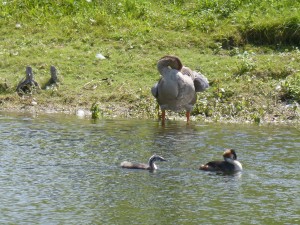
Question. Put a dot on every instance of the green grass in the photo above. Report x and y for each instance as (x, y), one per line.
(249, 50)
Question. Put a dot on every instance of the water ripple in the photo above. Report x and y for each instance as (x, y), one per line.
(61, 170)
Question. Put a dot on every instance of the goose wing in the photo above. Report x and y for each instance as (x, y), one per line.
(154, 90)
(200, 82)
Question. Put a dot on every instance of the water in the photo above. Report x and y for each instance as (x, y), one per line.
(63, 170)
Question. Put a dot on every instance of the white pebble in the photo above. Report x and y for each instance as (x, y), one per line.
(80, 113)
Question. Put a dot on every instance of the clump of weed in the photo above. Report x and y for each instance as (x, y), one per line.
(5, 87)
(96, 111)
(290, 88)
(246, 64)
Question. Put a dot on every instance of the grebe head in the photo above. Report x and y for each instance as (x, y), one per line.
(229, 154)
(153, 159)
(156, 158)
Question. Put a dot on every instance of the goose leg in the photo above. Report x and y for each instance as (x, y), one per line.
(187, 116)
(163, 117)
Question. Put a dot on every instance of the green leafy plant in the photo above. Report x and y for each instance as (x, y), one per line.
(246, 64)
(291, 88)
(96, 111)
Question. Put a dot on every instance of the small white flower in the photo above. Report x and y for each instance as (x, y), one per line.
(18, 25)
(278, 87)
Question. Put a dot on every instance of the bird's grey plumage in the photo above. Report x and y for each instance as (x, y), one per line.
(154, 90)
(200, 81)
(150, 166)
(176, 89)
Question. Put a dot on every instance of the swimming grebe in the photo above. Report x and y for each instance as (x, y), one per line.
(229, 165)
(177, 87)
(150, 166)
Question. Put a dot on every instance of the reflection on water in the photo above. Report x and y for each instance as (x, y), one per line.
(61, 170)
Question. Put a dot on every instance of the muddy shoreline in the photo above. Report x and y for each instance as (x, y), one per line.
(285, 115)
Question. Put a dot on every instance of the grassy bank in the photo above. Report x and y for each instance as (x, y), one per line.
(249, 50)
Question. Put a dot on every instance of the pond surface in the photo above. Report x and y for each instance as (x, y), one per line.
(58, 169)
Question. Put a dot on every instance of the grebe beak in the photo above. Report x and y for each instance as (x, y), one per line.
(162, 159)
(233, 154)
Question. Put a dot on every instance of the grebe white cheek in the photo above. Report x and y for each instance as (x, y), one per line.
(238, 166)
